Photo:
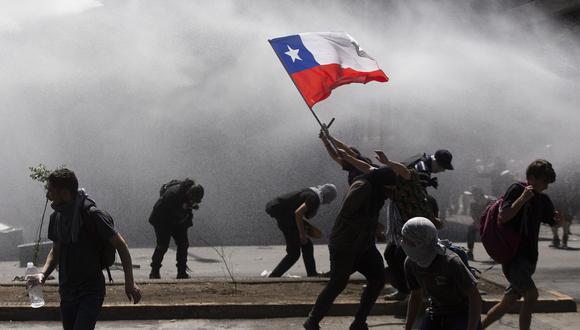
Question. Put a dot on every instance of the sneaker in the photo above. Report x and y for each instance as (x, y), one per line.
(327, 274)
(397, 295)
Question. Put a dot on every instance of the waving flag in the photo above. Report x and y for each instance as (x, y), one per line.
(319, 62)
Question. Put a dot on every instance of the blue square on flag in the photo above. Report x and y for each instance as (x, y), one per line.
(293, 53)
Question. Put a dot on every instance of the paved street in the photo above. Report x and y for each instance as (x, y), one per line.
(541, 321)
(557, 269)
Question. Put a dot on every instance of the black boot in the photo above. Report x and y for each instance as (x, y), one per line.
(154, 273)
(310, 325)
(182, 273)
(358, 325)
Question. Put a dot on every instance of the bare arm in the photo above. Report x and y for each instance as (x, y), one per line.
(51, 261)
(400, 169)
(341, 145)
(413, 306)
(329, 147)
(474, 308)
(299, 213)
(131, 289)
(357, 163)
(509, 213)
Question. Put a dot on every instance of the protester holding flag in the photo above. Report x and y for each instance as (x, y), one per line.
(352, 247)
(329, 141)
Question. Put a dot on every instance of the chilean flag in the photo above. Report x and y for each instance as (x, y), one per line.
(319, 62)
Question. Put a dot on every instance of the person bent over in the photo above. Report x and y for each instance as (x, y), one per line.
(290, 210)
(172, 215)
(524, 208)
(439, 275)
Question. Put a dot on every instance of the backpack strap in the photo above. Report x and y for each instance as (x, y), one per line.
(90, 211)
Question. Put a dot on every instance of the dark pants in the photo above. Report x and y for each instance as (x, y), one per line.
(163, 235)
(446, 322)
(293, 248)
(472, 231)
(80, 313)
(395, 257)
(342, 265)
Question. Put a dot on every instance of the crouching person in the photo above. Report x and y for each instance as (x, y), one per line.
(172, 216)
(289, 210)
(80, 233)
(438, 274)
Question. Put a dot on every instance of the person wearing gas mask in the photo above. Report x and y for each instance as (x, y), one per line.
(439, 276)
(290, 211)
(172, 215)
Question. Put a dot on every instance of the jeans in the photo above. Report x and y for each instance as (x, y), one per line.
(472, 232)
(80, 313)
(293, 249)
(163, 234)
(342, 264)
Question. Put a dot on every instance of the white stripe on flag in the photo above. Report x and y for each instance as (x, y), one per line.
(338, 48)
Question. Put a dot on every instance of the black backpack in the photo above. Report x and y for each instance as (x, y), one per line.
(188, 182)
(105, 250)
(462, 254)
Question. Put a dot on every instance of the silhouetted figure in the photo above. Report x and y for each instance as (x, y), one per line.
(84, 242)
(524, 208)
(172, 215)
(352, 247)
(438, 276)
(290, 210)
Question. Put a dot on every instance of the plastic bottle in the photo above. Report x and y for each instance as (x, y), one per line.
(35, 291)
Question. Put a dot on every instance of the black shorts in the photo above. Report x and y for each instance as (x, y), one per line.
(519, 275)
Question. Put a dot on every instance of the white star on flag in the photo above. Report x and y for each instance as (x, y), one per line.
(293, 53)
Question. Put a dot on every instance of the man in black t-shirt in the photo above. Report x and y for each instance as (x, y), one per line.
(76, 234)
(352, 247)
(524, 208)
(290, 210)
(438, 275)
(172, 216)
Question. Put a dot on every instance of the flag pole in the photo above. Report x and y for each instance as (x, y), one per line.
(322, 126)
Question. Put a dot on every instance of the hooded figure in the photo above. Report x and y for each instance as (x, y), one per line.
(326, 193)
(439, 276)
(290, 211)
(420, 241)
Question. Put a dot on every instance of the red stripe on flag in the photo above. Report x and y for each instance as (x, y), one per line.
(316, 83)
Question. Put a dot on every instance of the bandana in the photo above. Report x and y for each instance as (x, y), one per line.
(326, 193)
(420, 241)
(68, 218)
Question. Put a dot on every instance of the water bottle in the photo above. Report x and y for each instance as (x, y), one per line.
(35, 291)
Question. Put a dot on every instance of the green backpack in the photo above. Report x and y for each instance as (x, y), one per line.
(411, 199)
